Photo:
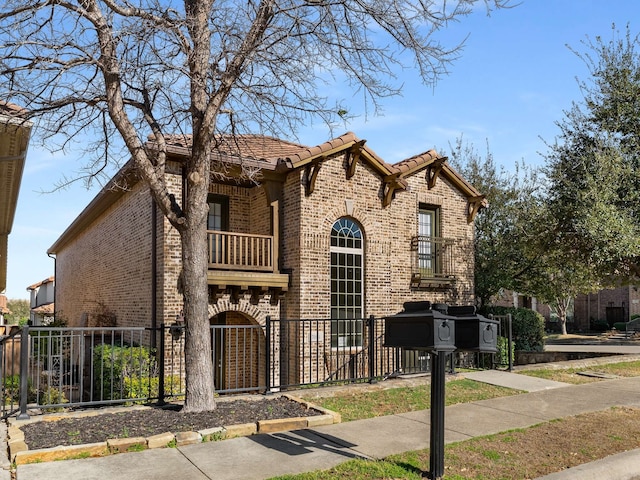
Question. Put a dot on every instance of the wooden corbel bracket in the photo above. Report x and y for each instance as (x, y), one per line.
(433, 171)
(310, 176)
(353, 157)
(389, 186)
(473, 206)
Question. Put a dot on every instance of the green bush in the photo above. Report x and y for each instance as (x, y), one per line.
(137, 387)
(120, 371)
(622, 326)
(527, 327)
(599, 325)
(53, 396)
(11, 389)
(502, 357)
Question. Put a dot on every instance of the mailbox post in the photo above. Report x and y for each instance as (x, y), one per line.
(421, 326)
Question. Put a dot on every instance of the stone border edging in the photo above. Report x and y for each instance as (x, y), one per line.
(20, 454)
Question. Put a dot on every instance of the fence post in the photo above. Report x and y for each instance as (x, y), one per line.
(161, 393)
(24, 372)
(372, 349)
(267, 333)
(510, 341)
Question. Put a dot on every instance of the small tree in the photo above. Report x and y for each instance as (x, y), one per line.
(503, 231)
(20, 312)
(594, 165)
(121, 70)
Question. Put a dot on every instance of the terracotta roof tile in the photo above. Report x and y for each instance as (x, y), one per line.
(46, 309)
(258, 147)
(416, 161)
(39, 284)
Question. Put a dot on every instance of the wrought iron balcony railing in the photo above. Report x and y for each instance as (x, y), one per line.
(432, 260)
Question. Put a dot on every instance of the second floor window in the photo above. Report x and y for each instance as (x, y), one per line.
(217, 221)
(218, 218)
(428, 248)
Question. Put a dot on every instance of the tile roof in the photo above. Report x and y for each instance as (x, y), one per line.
(273, 152)
(270, 149)
(46, 309)
(39, 284)
(258, 147)
(417, 161)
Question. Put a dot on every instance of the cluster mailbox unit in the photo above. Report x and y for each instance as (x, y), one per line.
(440, 329)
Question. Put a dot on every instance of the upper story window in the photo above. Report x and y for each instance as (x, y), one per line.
(217, 221)
(218, 218)
(347, 283)
(429, 247)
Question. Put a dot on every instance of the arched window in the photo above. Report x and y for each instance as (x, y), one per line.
(347, 282)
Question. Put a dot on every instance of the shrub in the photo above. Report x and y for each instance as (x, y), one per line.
(11, 391)
(527, 327)
(621, 326)
(140, 387)
(502, 357)
(599, 325)
(120, 371)
(53, 396)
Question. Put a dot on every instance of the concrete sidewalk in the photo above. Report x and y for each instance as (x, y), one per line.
(265, 456)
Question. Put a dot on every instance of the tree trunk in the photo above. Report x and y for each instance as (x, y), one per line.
(562, 317)
(198, 362)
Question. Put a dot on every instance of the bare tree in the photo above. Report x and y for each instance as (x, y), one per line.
(123, 71)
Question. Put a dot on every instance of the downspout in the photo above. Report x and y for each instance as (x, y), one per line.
(55, 288)
(154, 272)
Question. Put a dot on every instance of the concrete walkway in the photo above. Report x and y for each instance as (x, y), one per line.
(265, 456)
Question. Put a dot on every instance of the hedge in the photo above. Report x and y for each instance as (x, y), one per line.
(527, 327)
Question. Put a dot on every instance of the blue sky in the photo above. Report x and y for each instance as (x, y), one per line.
(513, 81)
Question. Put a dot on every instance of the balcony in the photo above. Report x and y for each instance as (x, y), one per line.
(432, 265)
(244, 263)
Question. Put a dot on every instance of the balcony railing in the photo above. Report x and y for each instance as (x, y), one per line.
(433, 259)
(239, 251)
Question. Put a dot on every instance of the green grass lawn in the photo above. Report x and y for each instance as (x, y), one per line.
(368, 404)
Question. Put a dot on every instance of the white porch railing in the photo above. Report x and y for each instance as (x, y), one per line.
(240, 251)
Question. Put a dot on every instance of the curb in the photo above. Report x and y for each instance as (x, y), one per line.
(19, 453)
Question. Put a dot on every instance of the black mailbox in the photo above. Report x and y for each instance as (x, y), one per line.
(474, 333)
(420, 327)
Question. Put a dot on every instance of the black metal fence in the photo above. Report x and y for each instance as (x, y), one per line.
(57, 367)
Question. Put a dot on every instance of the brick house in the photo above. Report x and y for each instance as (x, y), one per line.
(610, 305)
(330, 231)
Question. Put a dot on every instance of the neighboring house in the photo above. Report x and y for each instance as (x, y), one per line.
(610, 305)
(330, 231)
(41, 302)
(509, 298)
(14, 140)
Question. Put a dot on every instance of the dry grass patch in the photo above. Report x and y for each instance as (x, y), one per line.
(545, 448)
(514, 455)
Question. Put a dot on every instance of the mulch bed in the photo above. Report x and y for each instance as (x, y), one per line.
(153, 421)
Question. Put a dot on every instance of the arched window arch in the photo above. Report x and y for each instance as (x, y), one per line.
(347, 283)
